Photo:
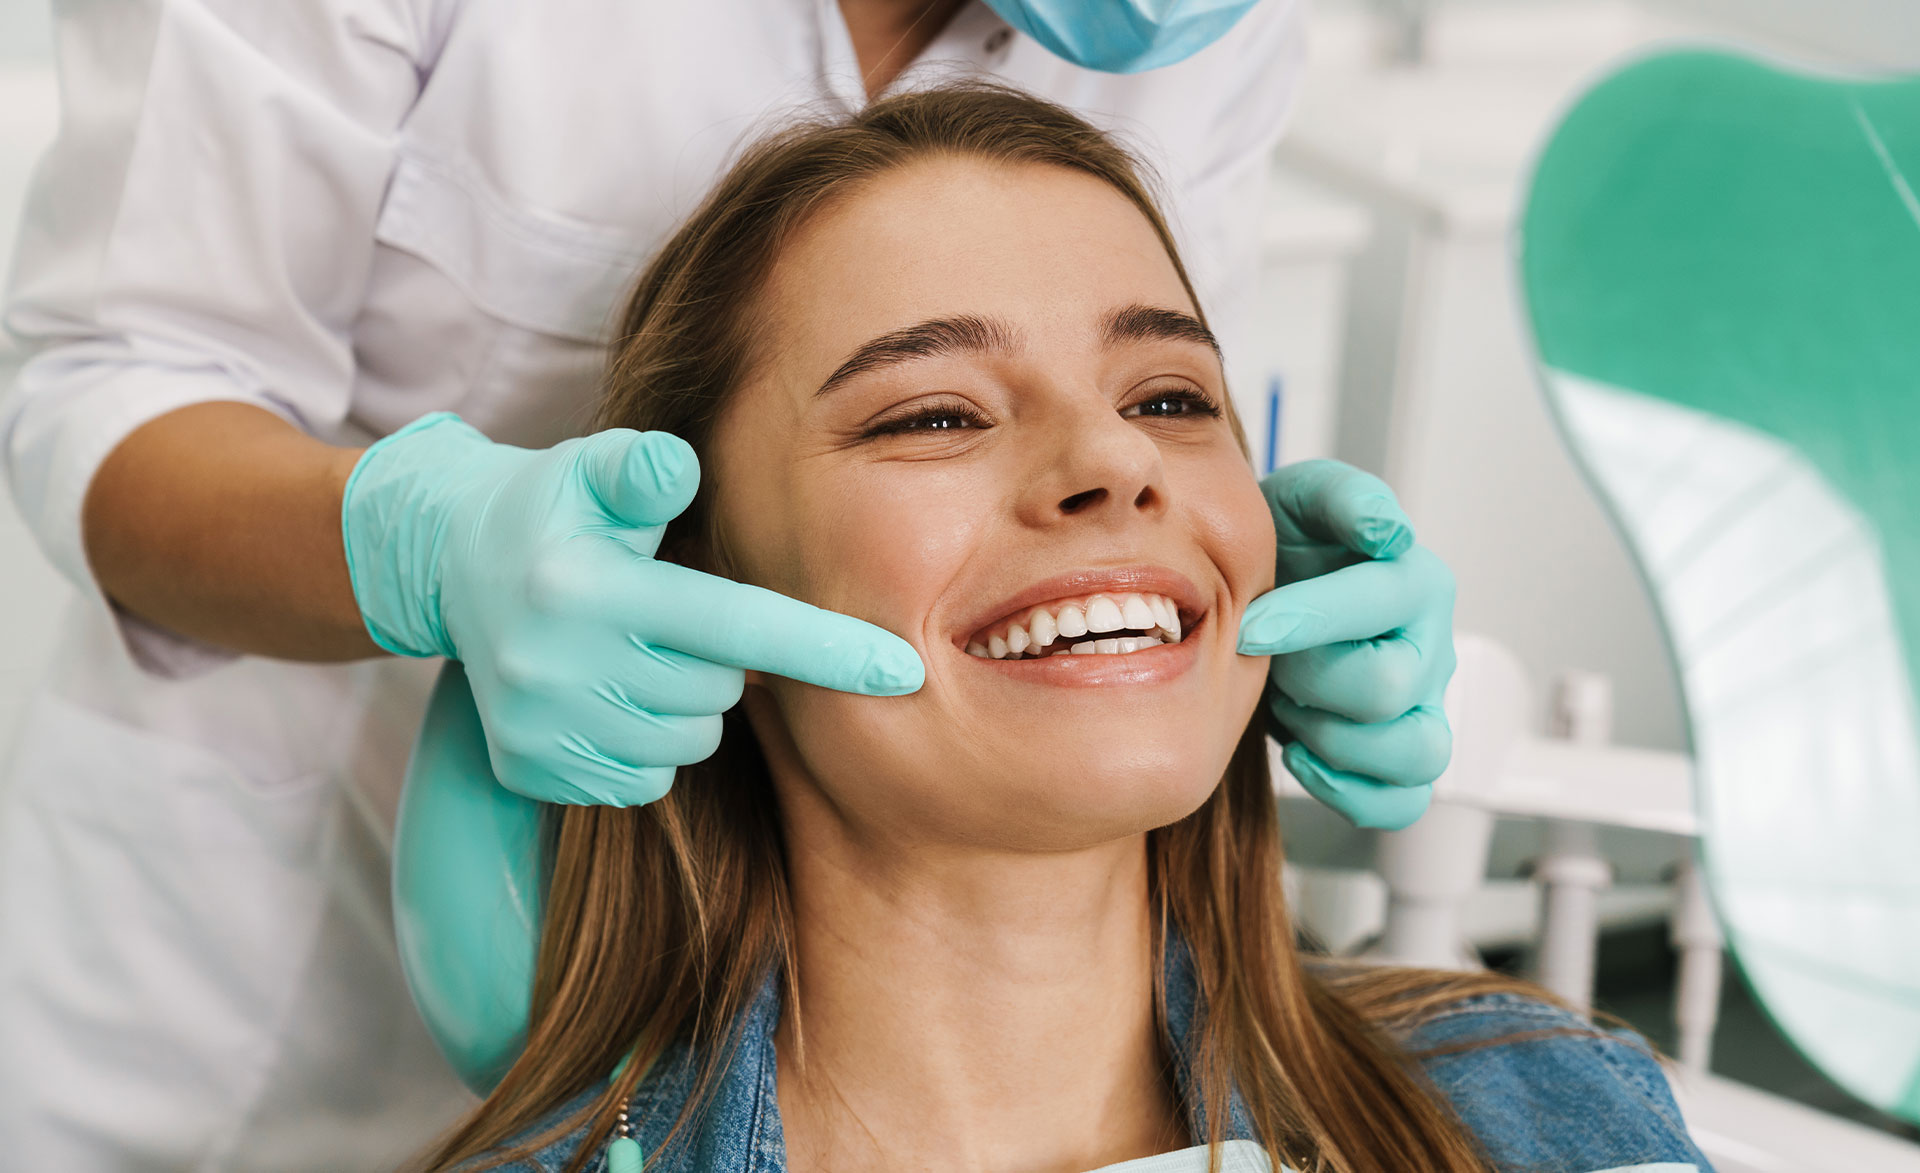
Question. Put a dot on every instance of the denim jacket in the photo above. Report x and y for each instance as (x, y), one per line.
(1540, 1102)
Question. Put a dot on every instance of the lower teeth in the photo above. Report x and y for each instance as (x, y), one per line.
(1108, 647)
(1119, 645)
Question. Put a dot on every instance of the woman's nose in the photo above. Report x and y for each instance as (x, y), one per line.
(1099, 465)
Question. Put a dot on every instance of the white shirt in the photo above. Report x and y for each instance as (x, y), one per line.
(351, 213)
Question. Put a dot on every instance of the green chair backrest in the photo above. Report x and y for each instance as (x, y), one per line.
(468, 888)
(1721, 260)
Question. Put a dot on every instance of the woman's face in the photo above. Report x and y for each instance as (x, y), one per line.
(983, 415)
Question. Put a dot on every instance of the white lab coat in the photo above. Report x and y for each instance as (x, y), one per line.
(353, 212)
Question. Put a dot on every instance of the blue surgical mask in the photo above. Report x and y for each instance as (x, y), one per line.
(1123, 36)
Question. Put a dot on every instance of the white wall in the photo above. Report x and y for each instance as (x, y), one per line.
(25, 30)
(1868, 33)
(1883, 33)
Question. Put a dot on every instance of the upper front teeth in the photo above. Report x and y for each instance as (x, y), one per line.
(1103, 614)
(1157, 616)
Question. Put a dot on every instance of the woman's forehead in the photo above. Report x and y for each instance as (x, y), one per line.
(1049, 247)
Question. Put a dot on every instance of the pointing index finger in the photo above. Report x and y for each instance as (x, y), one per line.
(1363, 601)
(764, 631)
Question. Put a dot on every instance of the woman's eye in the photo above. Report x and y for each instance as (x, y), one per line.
(1178, 401)
(931, 419)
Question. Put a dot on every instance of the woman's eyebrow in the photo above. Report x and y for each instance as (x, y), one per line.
(970, 332)
(1145, 323)
(966, 332)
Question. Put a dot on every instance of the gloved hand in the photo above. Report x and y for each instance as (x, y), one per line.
(1360, 629)
(596, 669)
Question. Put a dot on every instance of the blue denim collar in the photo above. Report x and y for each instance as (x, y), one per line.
(1184, 1013)
(1539, 1087)
(738, 1129)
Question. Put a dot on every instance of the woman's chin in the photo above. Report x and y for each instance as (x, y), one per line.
(1099, 802)
(1042, 778)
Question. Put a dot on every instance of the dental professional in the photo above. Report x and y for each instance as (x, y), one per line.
(272, 245)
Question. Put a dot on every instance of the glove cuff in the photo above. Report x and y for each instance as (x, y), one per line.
(392, 534)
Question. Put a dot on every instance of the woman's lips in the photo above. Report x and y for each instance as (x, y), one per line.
(1130, 602)
(1113, 582)
(1077, 625)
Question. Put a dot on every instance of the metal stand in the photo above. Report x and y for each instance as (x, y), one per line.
(1431, 868)
(1572, 874)
(1697, 938)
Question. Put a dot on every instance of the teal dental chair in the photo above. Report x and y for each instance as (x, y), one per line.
(1721, 263)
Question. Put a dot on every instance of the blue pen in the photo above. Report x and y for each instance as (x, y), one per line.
(1275, 385)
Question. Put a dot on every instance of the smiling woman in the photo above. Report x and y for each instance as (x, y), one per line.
(945, 372)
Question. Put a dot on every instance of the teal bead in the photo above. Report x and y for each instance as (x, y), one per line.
(623, 1156)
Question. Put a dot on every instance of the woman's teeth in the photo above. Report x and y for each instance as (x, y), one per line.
(1146, 621)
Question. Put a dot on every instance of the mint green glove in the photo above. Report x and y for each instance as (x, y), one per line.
(1360, 629)
(596, 668)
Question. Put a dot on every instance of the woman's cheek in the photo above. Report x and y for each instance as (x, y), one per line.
(1233, 523)
(1258, 541)
(1247, 551)
(889, 538)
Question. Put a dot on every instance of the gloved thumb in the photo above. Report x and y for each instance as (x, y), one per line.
(640, 478)
(1327, 501)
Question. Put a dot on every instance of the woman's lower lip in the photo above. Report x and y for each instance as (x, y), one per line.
(1063, 669)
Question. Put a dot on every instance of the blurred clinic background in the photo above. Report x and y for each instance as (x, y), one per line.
(1393, 337)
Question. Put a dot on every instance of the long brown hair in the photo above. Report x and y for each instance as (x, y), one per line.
(663, 921)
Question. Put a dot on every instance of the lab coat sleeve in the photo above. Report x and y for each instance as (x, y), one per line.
(201, 230)
(1225, 200)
